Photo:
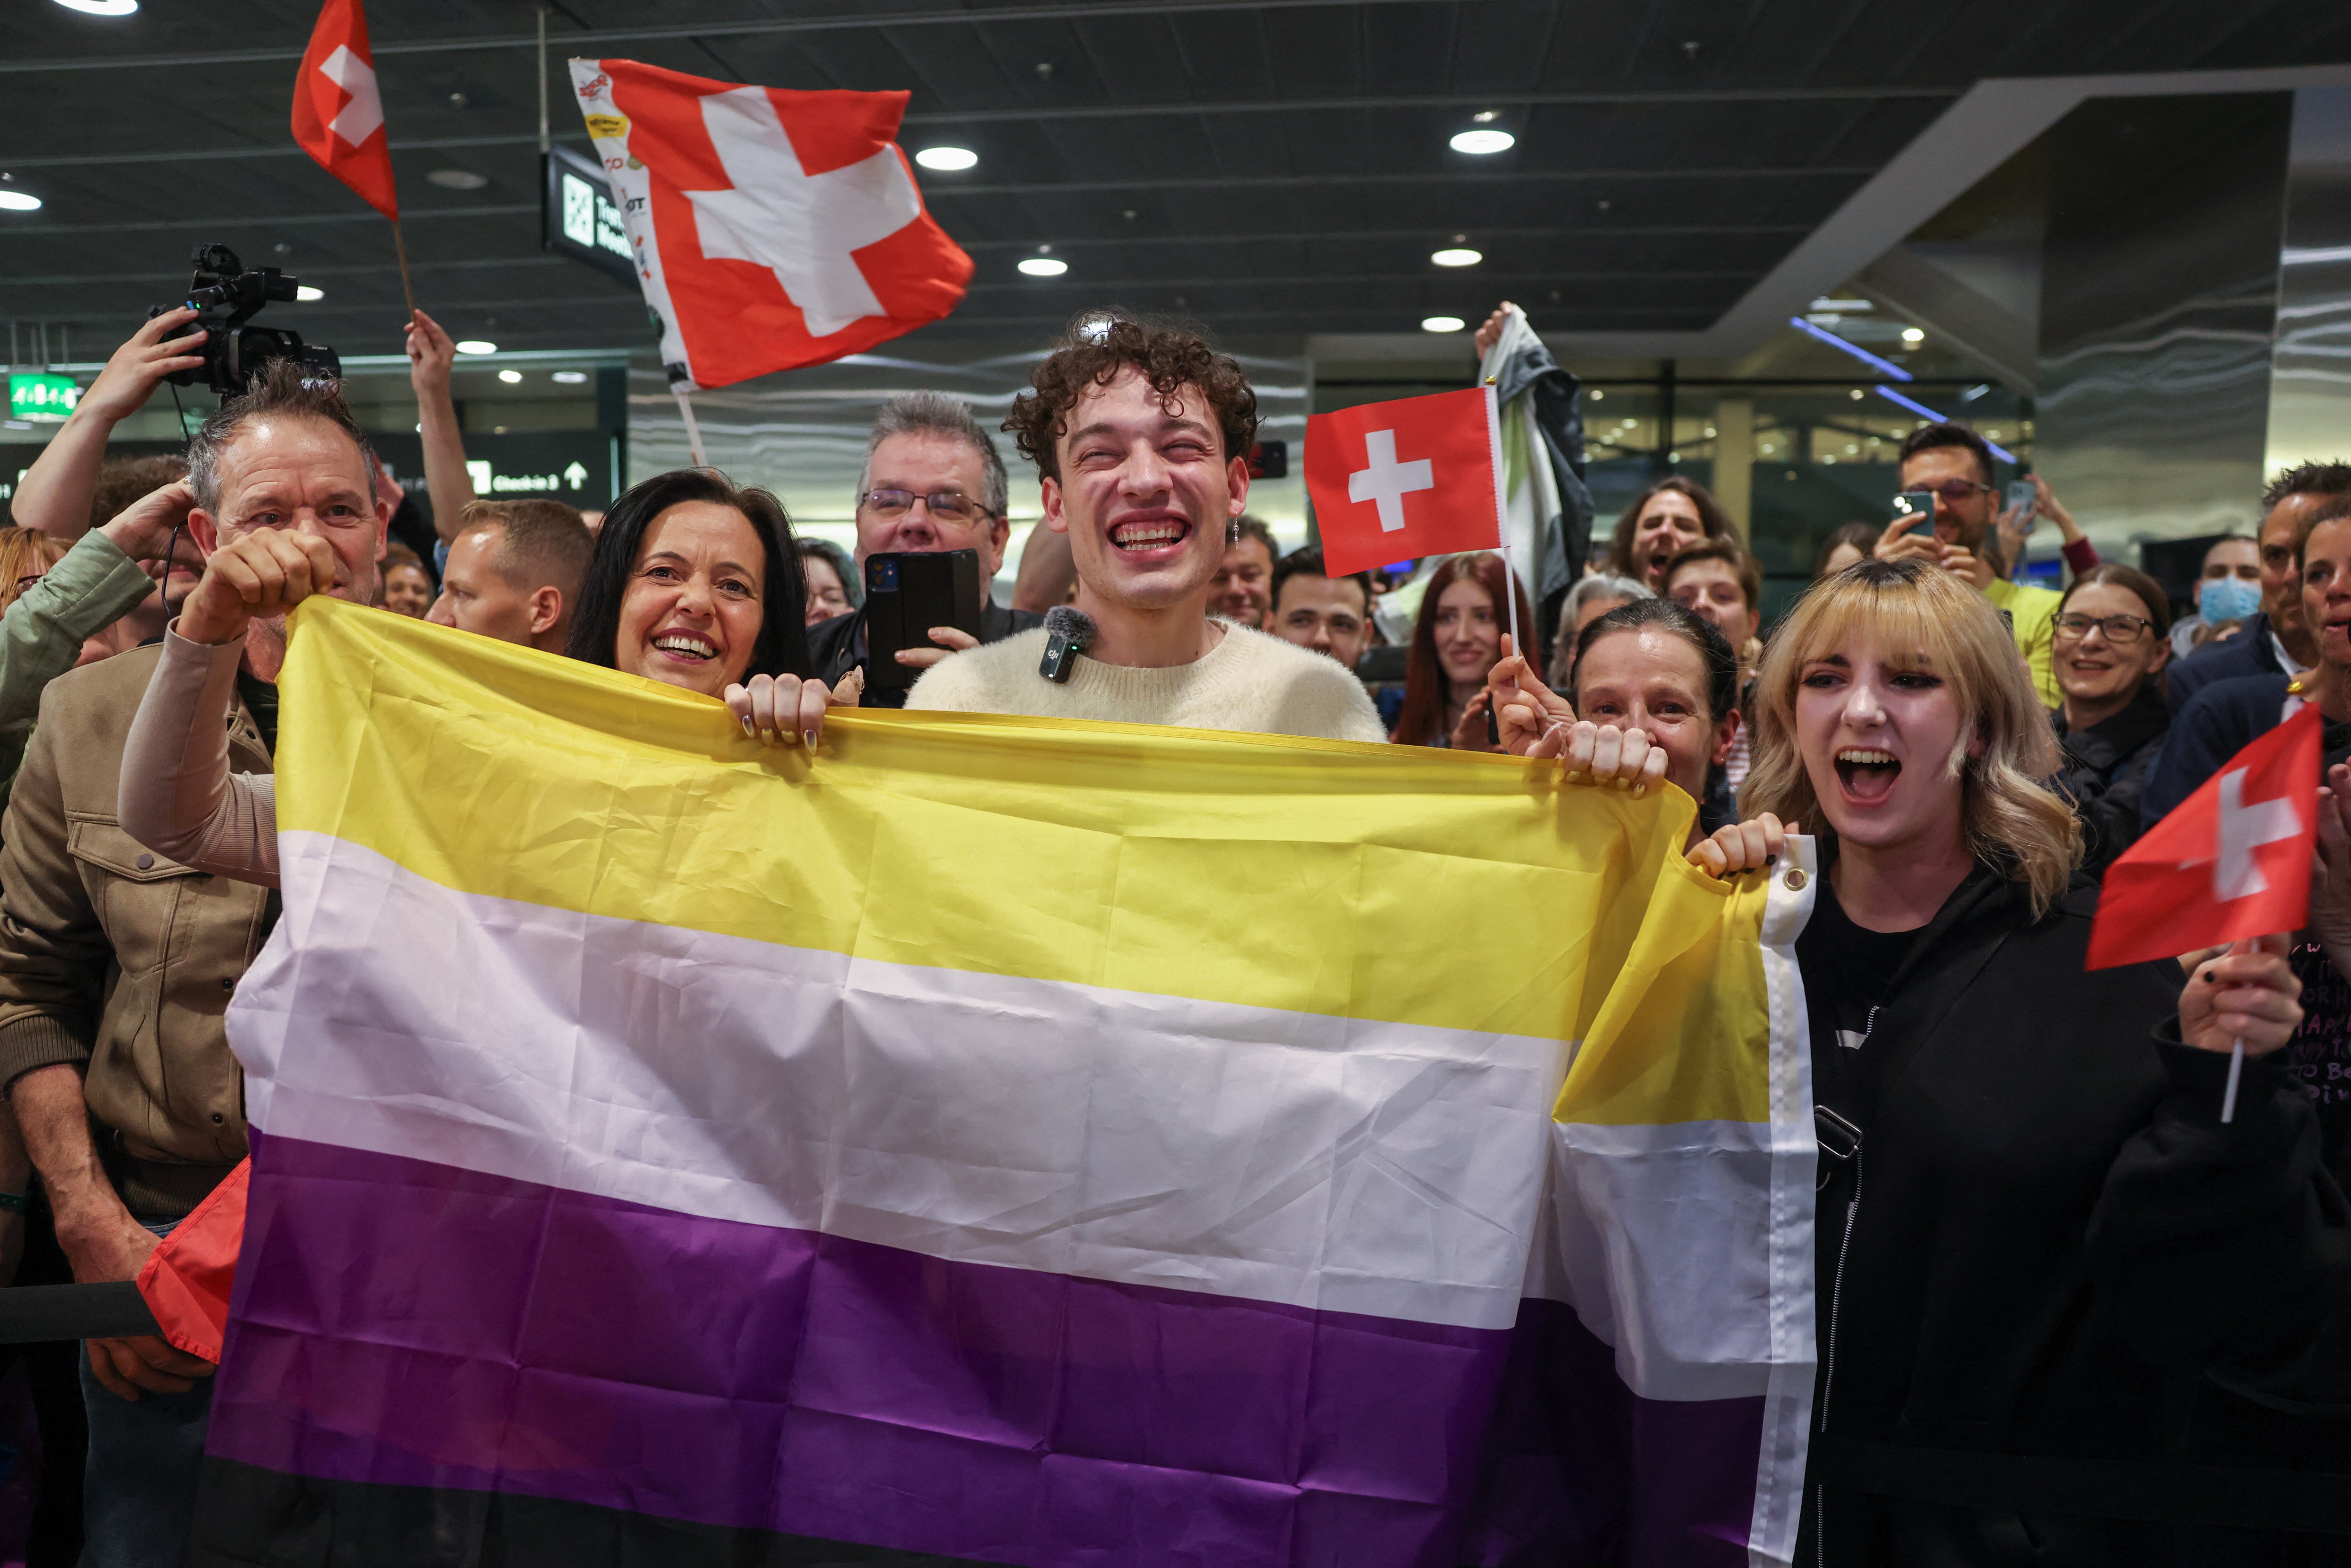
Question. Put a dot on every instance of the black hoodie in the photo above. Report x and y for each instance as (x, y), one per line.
(2050, 1287)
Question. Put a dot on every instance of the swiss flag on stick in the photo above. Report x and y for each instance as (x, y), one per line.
(1415, 477)
(338, 116)
(771, 228)
(2231, 860)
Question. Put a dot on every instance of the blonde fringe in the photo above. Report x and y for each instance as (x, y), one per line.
(2007, 816)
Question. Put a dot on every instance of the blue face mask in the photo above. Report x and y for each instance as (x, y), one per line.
(2225, 598)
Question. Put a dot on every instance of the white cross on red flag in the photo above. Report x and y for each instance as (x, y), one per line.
(772, 228)
(338, 113)
(2231, 860)
(1416, 477)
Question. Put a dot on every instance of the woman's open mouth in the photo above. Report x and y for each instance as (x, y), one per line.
(685, 647)
(1867, 775)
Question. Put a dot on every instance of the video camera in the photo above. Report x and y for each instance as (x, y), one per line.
(225, 295)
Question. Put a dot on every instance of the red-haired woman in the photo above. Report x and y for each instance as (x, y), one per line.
(1455, 641)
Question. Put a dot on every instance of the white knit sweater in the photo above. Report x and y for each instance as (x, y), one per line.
(1247, 681)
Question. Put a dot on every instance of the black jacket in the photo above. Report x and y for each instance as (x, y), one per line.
(2247, 652)
(2050, 1286)
(2107, 768)
(2225, 718)
(832, 644)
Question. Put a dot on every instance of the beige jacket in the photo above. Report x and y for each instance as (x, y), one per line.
(114, 956)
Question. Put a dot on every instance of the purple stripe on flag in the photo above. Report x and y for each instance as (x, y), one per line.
(409, 1323)
(1581, 1471)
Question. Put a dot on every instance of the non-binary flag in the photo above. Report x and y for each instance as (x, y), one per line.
(1415, 476)
(772, 228)
(338, 113)
(2231, 860)
(996, 1140)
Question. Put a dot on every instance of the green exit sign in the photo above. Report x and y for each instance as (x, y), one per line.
(42, 398)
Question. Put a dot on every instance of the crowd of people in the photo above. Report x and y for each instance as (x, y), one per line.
(2078, 1319)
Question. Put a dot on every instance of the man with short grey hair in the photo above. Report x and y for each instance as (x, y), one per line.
(932, 482)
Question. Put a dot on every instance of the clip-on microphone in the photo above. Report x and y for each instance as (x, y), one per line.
(1067, 634)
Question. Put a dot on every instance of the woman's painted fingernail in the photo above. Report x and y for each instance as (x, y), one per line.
(809, 736)
(749, 729)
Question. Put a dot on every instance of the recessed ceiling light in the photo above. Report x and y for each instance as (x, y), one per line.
(456, 179)
(569, 378)
(509, 377)
(1485, 116)
(307, 292)
(947, 159)
(1856, 392)
(1442, 323)
(101, 7)
(19, 202)
(1912, 335)
(476, 346)
(1483, 141)
(1599, 396)
(1457, 257)
(1043, 266)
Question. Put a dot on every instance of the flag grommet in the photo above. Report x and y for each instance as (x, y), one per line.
(1795, 879)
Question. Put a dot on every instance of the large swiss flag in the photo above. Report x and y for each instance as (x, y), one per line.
(772, 228)
(2231, 860)
(1415, 476)
(338, 113)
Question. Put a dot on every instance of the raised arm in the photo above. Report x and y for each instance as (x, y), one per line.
(430, 356)
(57, 489)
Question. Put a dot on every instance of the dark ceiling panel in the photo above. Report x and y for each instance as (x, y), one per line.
(1280, 166)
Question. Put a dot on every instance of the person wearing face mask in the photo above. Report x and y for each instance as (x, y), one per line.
(2050, 1283)
(2225, 716)
(1141, 436)
(1664, 520)
(1656, 688)
(2110, 650)
(1455, 640)
(2273, 641)
(2228, 592)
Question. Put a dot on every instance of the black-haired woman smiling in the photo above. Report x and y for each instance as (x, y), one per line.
(696, 584)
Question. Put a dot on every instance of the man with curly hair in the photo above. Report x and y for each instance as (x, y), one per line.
(1141, 436)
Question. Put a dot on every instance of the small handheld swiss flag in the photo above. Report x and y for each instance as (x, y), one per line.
(337, 114)
(772, 228)
(2231, 860)
(1415, 477)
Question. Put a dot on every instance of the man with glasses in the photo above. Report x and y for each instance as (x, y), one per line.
(931, 483)
(1953, 461)
(2274, 640)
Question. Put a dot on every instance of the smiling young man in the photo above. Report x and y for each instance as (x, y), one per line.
(1141, 437)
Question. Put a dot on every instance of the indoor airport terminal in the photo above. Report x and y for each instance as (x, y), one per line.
(1561, 784)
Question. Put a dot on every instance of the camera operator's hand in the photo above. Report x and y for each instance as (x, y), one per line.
(132, 376)
(429, 354)
(256, 576)
(143, 529)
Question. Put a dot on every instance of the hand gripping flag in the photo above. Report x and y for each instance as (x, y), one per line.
(772, 228)
(2231, 860)
(999, 1140)
(337, 114)
(1415, 477)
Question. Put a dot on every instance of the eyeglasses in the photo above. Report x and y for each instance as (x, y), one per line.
(2122, 631)
(1953, 490)
(950, 504)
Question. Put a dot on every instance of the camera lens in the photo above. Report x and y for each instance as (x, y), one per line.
(885, 576)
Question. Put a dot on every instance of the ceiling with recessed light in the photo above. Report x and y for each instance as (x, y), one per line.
(1274, 170)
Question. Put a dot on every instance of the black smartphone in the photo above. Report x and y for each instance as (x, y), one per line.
(905, 596)
(1914, 503)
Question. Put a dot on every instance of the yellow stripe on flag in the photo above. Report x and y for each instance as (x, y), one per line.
(1394, 884)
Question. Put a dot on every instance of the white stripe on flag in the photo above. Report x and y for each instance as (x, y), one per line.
(1378, 1168)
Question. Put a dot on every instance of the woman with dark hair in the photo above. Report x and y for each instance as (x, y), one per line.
(1455, 640)
(2109, 643)
(833, 586)
(1848, 546)
(1652, 694)
(1664, 520)
(697, 583)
